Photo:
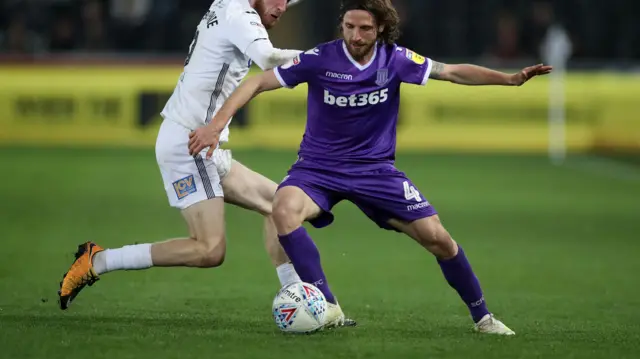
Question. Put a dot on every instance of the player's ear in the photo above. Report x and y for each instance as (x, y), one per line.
(380, 29)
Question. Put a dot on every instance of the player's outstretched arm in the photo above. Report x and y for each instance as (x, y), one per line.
(466, 74)
(209, 135)
(267, 57)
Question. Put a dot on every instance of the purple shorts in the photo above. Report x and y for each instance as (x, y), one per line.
(382, 194)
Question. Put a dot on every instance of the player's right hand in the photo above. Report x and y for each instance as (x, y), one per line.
(529, 72)
(203, 137)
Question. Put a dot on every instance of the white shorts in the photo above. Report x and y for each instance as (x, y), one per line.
(187, 179)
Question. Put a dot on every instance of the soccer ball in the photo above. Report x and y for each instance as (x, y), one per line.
(299, 308)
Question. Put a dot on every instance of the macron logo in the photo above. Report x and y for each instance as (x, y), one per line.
(335, 75)
(414, 207)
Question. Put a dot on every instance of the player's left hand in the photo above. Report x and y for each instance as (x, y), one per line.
(529, 72)
(203, 137)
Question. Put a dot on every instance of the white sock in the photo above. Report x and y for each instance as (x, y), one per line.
(136, 256)
(287, 274)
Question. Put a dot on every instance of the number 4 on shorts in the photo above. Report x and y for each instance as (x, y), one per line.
(411, 192)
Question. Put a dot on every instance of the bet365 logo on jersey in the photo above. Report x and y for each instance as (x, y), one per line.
(357, 100)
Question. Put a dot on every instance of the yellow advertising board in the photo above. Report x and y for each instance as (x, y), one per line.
(77, 105)
(120, 105)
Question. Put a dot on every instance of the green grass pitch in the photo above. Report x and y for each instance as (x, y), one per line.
(557, 250)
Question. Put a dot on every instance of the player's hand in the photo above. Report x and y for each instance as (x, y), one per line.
(203, 137)
(529, 72)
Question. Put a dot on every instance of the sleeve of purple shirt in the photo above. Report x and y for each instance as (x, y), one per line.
(411, 67)
(298, 70)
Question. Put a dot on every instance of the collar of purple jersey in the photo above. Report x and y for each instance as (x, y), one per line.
(354, 62)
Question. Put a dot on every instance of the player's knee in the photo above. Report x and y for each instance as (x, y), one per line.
(212, 255)
(287, 214)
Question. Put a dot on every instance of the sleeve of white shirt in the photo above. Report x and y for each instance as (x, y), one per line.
(244, 28)
(267, 57)
(247, 33)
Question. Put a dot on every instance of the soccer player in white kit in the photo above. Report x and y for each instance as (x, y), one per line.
(231, 35)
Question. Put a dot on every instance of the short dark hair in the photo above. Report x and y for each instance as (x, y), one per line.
(383, 12)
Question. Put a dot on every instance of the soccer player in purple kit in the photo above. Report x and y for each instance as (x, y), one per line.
(348, 148)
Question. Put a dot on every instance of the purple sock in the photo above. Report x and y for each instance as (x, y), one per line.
(305, 258)
(460, 276)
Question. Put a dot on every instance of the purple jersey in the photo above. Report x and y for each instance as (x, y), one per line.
(352, 109)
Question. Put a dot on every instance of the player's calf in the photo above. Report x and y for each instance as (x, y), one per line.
(453, 262)
(206, 247)
(210, 253)
(190, 252)
(291, 207)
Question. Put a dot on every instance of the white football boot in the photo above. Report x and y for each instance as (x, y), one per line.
(335, 317)
(490, 325)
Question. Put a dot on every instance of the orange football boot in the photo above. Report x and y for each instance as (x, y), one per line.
(79, 275)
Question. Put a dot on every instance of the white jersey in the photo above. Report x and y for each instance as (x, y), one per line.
(216, 64)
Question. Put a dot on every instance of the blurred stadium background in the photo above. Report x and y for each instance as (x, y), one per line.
(540, 184)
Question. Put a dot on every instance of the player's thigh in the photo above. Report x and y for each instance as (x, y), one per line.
(390, 195)
(248, 189)
(187, 179)
(427, 231)
(430, 234)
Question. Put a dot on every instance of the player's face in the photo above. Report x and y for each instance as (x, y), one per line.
(360, 33)
(270, 11)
